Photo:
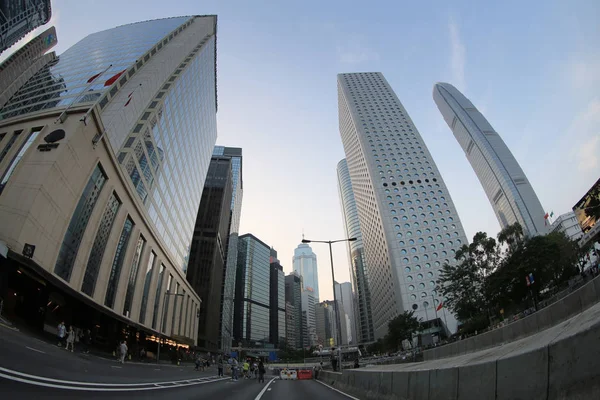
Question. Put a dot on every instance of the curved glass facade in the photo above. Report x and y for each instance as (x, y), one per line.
(305, 264)
(511, 195)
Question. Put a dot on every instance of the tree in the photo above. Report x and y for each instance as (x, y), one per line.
(463, 283)
(400, 328)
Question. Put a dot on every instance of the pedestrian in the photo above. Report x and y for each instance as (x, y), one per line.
(198, 361)
(220, 366)
(356, 364)
(70, 339)
(87, 340)
(246, 367)
(334, 360)
(62, 331)
(143, 355)
(234, 369)
(122, 352)
(261, 372)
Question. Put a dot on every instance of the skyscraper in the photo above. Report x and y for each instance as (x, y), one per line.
(252, 291)
(309, 324)
(277, 332)
(235, 154)
(511, 195)
(409, 225)
(111, 144)
(305, 263)
(293, 298)
(208, 254)
(344, 295)
(18, 18)
(325, 323)
(358, 271)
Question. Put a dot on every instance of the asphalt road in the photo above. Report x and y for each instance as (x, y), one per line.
(32, 368)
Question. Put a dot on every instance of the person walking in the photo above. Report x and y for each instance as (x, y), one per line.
(70, 339)
(62, 331)
(87, 340)
(234, 369)
(261, 372)
(198, 361)
(220, 366)
(122, 352)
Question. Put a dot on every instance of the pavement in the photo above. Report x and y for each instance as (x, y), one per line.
(34, 368)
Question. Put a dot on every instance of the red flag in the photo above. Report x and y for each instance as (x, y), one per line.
(128, 101)
(439, 307)
(94, 78)
(114, 78)
(546, 219)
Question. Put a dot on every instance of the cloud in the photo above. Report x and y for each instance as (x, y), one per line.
(355, 51)
(584, 73)
(584, 133)
(457, 56)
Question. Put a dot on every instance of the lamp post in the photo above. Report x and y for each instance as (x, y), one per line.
(337, 311)
(162, 317)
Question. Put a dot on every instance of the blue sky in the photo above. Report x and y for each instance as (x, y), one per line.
(532, 68)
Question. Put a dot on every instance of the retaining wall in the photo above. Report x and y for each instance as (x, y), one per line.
(570, 305)
(562, 362)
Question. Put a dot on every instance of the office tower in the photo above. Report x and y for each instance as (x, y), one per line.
(293, 298)
(568, 224)
(235, 154)
(18, 18)
(110, 144)
(277, 332)
(252, 303)
(305, 263)
(25, 62)
(409, 224)
(587, 211)
(358, 268)
(511, 195)
(309, 324)
(325, 321)
(345, 296)
(208, 254)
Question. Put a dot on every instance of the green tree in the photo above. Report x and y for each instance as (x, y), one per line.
(400, 328)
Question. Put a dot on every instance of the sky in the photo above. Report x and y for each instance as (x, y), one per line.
(532, 68)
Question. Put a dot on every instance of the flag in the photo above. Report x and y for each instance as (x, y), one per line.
(114, 78)
(94, 77)
(439, 307)
(551, 214)
(128, 99)
(527, 280)
(546, 219)
(531, 280)
(126, 104)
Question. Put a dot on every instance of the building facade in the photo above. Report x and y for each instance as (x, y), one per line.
(305, 263)
(252, 291)
(208, 254)
(358, 268)
(509, 191)
(293, 298)
(325, 322)
(25, 62)
(409, 224)
(568, 224)
(277, 333)
(111, 152)
(18, 18)
(235, 154)
(345, 297)
(309, 322)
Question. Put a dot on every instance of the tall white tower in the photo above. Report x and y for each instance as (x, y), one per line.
(305, 264)
(409, 224)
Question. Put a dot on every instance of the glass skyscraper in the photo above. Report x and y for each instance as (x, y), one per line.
(18, 18)
(358, 268)
(305, 263)
(114, 139)
(509, 191)
(409, 224)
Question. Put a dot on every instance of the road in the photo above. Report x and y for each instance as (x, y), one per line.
(32, 368)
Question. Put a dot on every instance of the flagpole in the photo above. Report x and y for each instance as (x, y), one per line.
(61, 116)
(435, 309)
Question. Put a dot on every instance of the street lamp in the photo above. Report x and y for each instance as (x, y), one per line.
(162, 317)
(337, 311)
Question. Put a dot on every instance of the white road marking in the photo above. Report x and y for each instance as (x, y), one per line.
(259, 396)
(339, 391)
(115, 366)
(39, 351)
(157, 369)
(269, 389)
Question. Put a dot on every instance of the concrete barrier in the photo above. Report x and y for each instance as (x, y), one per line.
(570, 305)
(559, 363)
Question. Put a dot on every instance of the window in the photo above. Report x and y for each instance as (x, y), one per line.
(117, 265)
(139, 249)
(158, 295)
(9, 144)
(19, 156)
(146, 291)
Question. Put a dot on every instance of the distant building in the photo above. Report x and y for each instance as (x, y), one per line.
(309, 324)
(509, 191)
(305, 263)
(26, 62)
(251, 322)
(277, 333)
(325, 321)
(344, 295)
(206, 264)
(18, 18)
(568, 224)
(293, 297)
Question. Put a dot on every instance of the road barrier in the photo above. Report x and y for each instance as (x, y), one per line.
(288, 374)
(305, 374)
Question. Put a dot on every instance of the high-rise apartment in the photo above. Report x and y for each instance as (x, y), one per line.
(511, 195)
(305, 263)
(293, 298)
(252, 291)
(345, 296)
(309, 324)
(18, 18)
(409, 224)
(235, 154)
(208, 254)
(358, 269)
(103, 156)
(277, 334)
(326, 325)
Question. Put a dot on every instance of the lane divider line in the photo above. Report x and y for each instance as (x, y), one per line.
(259, 396)
(31, 348)
(339, 391)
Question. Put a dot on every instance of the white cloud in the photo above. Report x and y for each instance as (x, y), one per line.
(457, 56)
(584, 133)
(355, 51)
(585, 73)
